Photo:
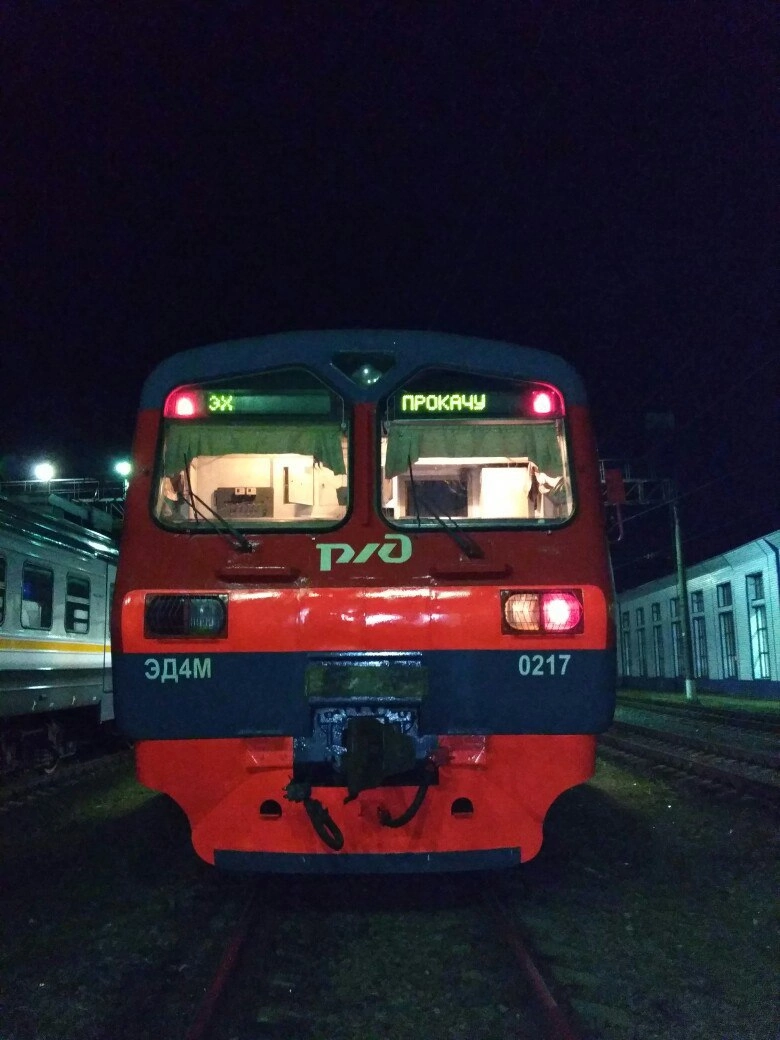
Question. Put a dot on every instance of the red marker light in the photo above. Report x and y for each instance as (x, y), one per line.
(183, 404)
(561, 611)
(542, 403)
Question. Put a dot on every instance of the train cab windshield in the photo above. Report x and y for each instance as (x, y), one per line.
(268, 451)
(481, 450)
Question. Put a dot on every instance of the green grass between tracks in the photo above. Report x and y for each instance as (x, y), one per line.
(704, 700)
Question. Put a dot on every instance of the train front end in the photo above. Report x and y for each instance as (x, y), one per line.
(364, 601)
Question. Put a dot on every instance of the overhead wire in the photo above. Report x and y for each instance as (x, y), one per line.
(689, 539)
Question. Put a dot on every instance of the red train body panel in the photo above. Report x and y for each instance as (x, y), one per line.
(391, 687)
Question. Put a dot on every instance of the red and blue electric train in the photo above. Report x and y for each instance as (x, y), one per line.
(364, 607)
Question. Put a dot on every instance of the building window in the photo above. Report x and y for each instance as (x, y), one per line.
(755, 587)
(2, 589)
(37, 596)
(700, 663)
(641, 651)
(677, 650)
(701, 668)
(625, 641)
(724, 594)
(77, 604)
(674, 606)
(658, 649)
(728, 644)
(655, 610)
(640, 641)
(759, 641)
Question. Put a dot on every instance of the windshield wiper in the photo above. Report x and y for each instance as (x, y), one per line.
(463, 540)
(239, 540)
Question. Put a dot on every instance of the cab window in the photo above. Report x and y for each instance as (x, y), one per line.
(479, 450)
(260, 452)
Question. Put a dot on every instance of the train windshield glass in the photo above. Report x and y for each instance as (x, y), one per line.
(481, 450)
(263, 451)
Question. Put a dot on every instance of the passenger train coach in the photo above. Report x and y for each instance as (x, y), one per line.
(56, 579)
(364, 605)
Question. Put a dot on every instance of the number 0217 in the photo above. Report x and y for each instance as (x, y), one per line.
(543, 664)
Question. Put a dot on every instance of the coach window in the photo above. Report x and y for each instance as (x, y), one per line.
(486, 451)
(263, 451)
(2, 589)
(77, 604)
(37, 596)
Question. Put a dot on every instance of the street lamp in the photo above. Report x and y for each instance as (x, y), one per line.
(124, 468)
(44, 471)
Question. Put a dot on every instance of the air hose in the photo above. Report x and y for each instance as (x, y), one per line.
(321, 820)
(408, 814)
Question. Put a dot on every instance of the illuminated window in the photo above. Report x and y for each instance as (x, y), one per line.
(264, 451)
(477, 450)
(77, 604)
(37, 596)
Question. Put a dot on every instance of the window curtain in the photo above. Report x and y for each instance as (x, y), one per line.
(195, 439)
(538, 442)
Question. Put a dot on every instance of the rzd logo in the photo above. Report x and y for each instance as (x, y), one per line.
(397, 548)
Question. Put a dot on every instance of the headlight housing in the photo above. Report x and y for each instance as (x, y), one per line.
(546, 611)
(197, 617)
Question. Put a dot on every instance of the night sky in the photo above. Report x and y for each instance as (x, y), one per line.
(592, 179)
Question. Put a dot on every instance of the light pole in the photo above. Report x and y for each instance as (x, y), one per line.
(124, 468)
(685, 617)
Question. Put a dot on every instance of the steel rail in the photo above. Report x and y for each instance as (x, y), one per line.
(697, 713)
(205, 1014)
(760, 757)
(558, 1026)
(672, 755)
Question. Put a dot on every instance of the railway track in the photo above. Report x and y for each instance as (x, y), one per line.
(266, 977)
(21, 790)
(698, 713)
(766, 756)
(747, 772)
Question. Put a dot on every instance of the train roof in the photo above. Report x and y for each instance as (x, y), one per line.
(46, 530)
(411, 350)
